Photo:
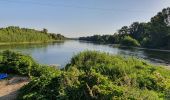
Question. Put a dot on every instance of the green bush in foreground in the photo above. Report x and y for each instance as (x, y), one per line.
(19, 64)
(100, 76)
(16, 63)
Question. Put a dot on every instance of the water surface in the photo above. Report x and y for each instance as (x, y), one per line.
(61, 52)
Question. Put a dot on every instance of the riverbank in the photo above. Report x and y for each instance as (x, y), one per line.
(37, 42)
(164, 50)
(9, 88)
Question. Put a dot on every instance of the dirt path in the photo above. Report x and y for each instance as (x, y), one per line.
(9, 88)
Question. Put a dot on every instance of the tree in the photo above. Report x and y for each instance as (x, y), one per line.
(159, 29)
(45, 30)
(154, 34)
(124, 30)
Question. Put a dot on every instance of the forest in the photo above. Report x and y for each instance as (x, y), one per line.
(153, 34)
(13, 34)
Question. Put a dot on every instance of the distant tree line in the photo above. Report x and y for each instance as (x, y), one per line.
(154, 34)
(17, 34)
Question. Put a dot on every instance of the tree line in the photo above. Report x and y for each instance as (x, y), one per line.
(153, 34)
(17, 34)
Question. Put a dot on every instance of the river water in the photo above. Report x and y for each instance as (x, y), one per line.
(62, 52)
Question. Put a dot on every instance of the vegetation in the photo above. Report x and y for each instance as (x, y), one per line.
(101, 39)
(154, 34)
(19, 64)
(128, 41)
(90, 75)
(15, 34)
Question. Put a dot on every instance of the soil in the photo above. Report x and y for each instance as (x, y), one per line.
(9, 88)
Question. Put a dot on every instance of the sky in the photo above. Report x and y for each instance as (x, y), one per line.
(75, 18)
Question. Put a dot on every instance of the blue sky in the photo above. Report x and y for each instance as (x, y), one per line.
(75, 18)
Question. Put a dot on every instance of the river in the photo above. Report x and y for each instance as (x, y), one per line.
(62, 52)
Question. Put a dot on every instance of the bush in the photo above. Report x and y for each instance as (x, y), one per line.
(129, 41)
(16, 63)
(93, 75)
(38, 88)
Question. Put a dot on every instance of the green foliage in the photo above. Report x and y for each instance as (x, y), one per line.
(159, 29)
(102, 39)
(93, 75)
(128, 41)
(57, 36)
(39, 87)
(45, 30)
(15, 34)
(16, 63)
(154, 34)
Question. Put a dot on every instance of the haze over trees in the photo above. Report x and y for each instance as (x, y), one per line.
(17, 34)
(154, 34)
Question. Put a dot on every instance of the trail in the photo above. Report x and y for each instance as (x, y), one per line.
(9, 89)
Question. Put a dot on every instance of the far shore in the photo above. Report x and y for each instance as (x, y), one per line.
(35, 42)
(119, 45)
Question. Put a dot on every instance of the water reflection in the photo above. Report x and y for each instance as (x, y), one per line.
(154, 56)
(159, 56)
(61, 52)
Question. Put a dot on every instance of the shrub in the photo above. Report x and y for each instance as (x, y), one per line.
(93, 75)
(38, 88)
(16, 63)
(129, 41)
